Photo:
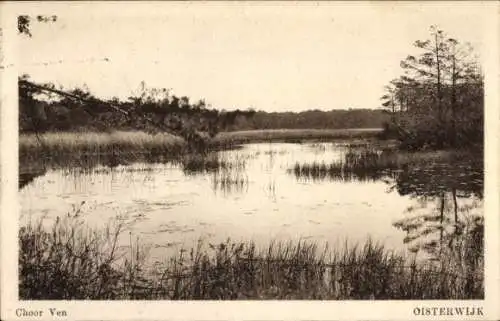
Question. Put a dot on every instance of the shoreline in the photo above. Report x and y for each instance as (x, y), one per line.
(75, 147)
(144, 139)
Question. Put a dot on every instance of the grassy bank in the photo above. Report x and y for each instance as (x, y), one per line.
(69, 261)
(93, 142)
(292, 135)
(130, 141)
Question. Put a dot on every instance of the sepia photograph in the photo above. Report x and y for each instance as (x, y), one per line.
(251, 151)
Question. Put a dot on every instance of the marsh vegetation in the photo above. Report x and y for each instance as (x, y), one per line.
(159, 197)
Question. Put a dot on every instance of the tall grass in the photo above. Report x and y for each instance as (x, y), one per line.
(75, 149)
(70, 261)
(98, 142)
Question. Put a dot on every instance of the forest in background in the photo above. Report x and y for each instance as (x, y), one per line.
(44, 114)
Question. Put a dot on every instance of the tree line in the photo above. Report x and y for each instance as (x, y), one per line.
(317, 119)
(438, 101)
(79, 110)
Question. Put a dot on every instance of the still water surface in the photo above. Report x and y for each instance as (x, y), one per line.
(256, 197)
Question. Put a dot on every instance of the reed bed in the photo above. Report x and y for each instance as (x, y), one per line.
(368, 164)
(71, 261)
(198, 164)
(72, 149)
(98, 142)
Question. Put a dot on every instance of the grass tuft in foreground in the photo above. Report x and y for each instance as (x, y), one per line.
(71, 261)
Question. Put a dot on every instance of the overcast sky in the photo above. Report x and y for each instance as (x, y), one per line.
(270, 57)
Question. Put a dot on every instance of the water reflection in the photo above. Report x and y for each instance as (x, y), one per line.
(461, 177)
(229, 182)
(267, 191)
(450, 206)
(86, 163)
(448, 192)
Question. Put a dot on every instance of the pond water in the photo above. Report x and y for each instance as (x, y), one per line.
(258, 192)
